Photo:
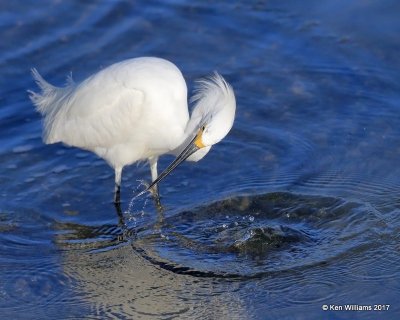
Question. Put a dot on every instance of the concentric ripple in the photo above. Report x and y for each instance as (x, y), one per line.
(32, 280)
(252, 236)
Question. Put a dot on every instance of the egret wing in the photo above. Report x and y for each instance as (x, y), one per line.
(100, 112)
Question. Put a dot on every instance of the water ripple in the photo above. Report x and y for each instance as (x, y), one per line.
(258, 236)
(31, 275)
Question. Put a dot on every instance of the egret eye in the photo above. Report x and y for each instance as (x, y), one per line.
(203, 128)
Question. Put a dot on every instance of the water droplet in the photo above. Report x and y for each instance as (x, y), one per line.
(251, 218)
(164, 236)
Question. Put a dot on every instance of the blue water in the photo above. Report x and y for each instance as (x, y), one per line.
(297, 208)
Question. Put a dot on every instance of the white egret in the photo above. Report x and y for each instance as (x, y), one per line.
(135, 110)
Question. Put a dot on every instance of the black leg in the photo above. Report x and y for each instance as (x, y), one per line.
(121, 219)
(117, 194)
(127, 233)
(160, 214)
(156, 197)
(158, 204)
(154, 191)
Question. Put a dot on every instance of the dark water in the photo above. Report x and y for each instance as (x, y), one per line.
(297, 208)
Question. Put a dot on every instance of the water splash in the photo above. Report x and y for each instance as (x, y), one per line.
(258, 235)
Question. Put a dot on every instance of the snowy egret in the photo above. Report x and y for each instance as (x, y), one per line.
(135, 110)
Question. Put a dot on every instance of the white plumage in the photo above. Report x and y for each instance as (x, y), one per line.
(135, 110)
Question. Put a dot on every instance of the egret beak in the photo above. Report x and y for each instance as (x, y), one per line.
(194, 145)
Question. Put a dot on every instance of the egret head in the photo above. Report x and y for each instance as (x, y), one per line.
(212, 118)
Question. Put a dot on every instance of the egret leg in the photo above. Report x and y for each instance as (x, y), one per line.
(154, 175)
(117, 190)
(121, 219)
